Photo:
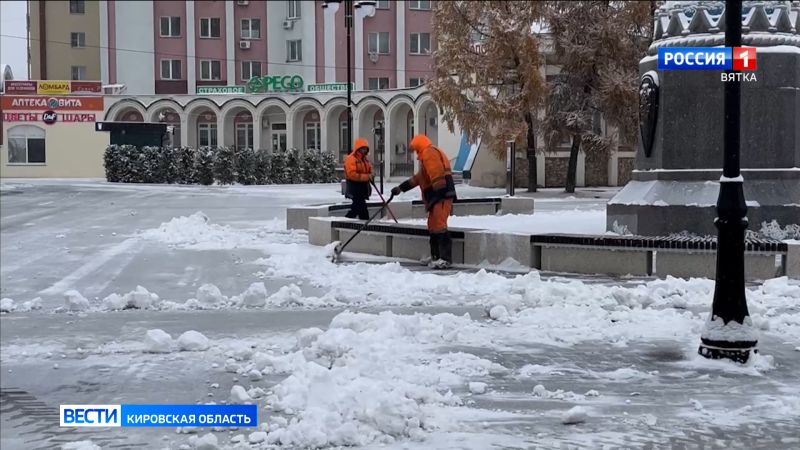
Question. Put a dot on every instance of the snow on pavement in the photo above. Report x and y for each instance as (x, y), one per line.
(578, 221)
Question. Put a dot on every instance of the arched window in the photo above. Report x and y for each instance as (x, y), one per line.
(26, 145)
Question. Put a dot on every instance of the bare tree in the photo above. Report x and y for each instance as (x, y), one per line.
(597, 45)
(487, 71)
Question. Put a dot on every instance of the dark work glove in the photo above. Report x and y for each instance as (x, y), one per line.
(396, 190)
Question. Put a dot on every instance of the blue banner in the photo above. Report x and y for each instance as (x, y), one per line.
(189, 415)
(695, 58)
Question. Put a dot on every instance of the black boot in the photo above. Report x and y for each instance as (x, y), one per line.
(446, 249)
(434, 242)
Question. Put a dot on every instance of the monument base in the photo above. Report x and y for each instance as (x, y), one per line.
(659, 203)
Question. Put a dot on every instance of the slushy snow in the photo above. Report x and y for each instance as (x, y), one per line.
(81, 445)
(254, 296)
(477, 387)
(158, 341)
(192, 341)
(207, 441)
(209, 295)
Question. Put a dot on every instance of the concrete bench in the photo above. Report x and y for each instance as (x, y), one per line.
(297, 217)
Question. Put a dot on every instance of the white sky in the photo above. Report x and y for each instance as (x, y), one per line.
(14, 50)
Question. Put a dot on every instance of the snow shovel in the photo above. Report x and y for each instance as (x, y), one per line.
(337, 251)
(385, 204)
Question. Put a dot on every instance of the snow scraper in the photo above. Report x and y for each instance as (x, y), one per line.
(337, 251)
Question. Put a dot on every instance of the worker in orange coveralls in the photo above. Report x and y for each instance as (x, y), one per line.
(435, 180)
(358, 173)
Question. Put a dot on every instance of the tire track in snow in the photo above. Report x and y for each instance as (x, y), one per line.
(92, 266)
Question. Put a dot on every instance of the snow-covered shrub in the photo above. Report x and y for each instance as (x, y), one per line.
(328, 168)
(311, 165)
(246, 166)
(262, 167)
(277, 168)
(291, 170)
(112, 163)
(225, 165)
(204, 166)
(185, 162)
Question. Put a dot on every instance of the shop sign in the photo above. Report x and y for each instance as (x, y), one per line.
(16, 87)
(329, 87)
(277, 83)
(42, 103)
(49, 117)
(213, 90)
(49, 87)
(86, 87)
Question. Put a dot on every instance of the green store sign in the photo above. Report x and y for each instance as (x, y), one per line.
(276, 83)
(329, 87)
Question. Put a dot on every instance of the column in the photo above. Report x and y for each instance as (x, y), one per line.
(358, 53)
(191, 77)
(329, 23)
(230, 42)
(290, 131)
(104, 42)
(387, 144)
(257, 132)
(184, 129)
(220, 129)
(401, 44)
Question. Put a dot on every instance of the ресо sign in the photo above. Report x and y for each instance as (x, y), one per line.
(278, 83)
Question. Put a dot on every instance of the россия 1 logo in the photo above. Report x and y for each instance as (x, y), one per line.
(739, 59)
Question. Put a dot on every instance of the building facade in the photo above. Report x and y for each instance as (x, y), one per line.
(175, 47)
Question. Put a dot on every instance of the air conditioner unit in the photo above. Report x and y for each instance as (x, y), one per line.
(373, 57)
(242, 2)
(244, 44)
(288, 24)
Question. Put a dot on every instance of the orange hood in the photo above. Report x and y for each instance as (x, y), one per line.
(419, 143)
(360, 143)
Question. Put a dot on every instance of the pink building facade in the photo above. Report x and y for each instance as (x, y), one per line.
(188, 45)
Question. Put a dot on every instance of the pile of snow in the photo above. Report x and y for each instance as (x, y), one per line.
(32, 305)
(207, 441)
(477, 387)
(209, 295)
(239, 395)
(717, 330)
(158, 341)
(139, 298)
(286, 296)
(254, 296)
(576, 414)
(192, 341)
(7, 305)
(592, 221)
(540, 391)
(81, 445)
(775, 231)
(74, 301)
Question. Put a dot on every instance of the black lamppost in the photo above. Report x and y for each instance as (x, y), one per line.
(349, 6)
(722, 338)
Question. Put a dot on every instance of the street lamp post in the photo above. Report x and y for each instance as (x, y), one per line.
(331, 7)
(729, 333)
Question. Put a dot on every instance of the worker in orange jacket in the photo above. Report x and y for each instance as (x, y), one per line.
(435, 180)
(358, 173)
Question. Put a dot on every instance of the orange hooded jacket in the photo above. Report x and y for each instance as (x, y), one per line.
(357, 171)
(435, 178)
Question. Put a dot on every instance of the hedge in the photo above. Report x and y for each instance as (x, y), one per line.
(221, 165)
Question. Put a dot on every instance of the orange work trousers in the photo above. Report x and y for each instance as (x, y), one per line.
(438, 214)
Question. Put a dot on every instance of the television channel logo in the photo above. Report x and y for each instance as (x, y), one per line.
(707, 58)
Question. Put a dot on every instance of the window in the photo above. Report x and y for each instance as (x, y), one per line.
(244, 136)
(294, 50)
(278, 137)
(250, 69)
(170, 69)
(77, 40)
(419, 4)
(414, 82)
(207, 134)
(293, 9)
(382, 4)
(210, 70)
(26, 145)
(78, 72)
(344, 144)
(209, 27)
(420, 44)
(379, 43)
(251, 29)
(312, 135)
(170, 26)
(378, 83)
(77, 7)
